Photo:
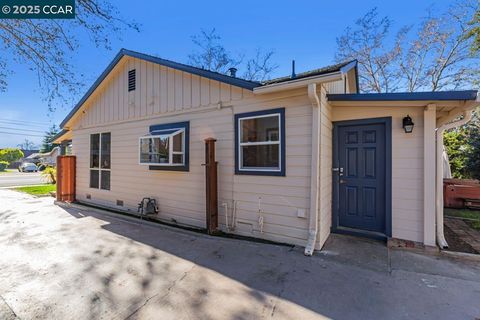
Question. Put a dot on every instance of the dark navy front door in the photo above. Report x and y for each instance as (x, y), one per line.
(361, 176)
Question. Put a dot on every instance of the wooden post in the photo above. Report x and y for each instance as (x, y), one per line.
(211, 186)
(66, 178)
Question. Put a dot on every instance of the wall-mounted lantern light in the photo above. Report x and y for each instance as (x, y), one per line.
(408, 124)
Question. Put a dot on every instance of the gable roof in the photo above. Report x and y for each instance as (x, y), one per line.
(242, 83)
(238, 82)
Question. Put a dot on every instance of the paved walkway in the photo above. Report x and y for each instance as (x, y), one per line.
(464, 233)
(79, 264)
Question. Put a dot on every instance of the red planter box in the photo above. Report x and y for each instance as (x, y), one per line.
(455, 191)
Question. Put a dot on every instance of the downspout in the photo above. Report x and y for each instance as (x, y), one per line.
(315, 169)
(467, 115)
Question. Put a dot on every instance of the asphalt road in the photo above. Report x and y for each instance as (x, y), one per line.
(80, 263)
(15, 178)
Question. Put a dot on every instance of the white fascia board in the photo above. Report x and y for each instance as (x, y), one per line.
(298, 83)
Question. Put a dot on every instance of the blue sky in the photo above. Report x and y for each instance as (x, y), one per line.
(300, 30)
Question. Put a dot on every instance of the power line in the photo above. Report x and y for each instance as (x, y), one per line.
(22, 124)
(17, 134)
(24, 121)
(21, 129)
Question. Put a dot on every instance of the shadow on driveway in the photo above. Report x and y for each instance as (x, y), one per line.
(350, 278)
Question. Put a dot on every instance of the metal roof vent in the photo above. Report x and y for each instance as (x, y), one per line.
(132, 80)
(293, 70)
(233, 72)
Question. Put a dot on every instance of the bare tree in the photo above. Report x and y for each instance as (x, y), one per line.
(436, 56)
(27, 145)
(212, 55)
(367, 44)
(260, 67)
(46, 46)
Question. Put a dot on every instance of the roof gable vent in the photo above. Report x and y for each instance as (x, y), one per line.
(131, 80)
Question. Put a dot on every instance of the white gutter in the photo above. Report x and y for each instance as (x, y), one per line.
(467, 115)
(298, 83)
(315, 169)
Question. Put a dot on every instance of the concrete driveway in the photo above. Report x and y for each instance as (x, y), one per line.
(15, 178)
(80, 264)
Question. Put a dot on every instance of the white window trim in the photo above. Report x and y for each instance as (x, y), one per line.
(100, 169)
(260, 143)
(170, 148)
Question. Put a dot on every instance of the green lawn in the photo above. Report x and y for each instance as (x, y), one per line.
(475, 225)
(37, 190)
(462, 213)
(8, 171)
(473, 215)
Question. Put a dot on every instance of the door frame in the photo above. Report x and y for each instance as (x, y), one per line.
(336, 228)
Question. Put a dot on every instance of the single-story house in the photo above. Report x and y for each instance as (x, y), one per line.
(298, 157)
(48, 158)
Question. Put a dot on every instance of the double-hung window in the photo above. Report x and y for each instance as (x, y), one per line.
(100, 144)
(166, 147)
(260, 142)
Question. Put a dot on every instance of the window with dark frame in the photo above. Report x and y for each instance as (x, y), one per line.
(132, 75)
(166, 147)
(100, 160)
(260, 142)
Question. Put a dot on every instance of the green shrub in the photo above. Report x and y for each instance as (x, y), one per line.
(50, 174)
(3, 165)
(11, 155)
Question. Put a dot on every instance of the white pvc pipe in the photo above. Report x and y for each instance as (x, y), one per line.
(234, 214)
(225, 205)
(314, 183)
(467, 115)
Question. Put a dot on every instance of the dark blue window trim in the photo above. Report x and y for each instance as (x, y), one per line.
(239, 116)
(177, 125)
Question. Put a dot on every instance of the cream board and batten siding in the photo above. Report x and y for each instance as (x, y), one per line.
(165, 95)
(160, 90)
(181, 195)
(407, 166)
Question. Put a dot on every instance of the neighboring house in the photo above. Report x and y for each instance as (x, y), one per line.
(26, 154)
(48, 158)
(298, 157)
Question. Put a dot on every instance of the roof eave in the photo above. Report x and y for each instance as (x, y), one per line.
(406, 96)
(62, 136)
(297, 83)
(244, 84)
(94, 86)
(349, 66)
